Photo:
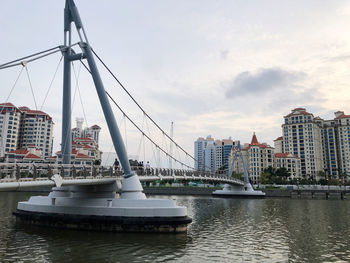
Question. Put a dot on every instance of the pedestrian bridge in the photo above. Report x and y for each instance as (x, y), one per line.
(20, 176)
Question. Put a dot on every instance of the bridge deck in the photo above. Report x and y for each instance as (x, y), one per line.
(21, 176)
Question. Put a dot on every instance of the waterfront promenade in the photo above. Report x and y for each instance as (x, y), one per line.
(307, 192)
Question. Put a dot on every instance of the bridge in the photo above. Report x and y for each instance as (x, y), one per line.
(21, 176)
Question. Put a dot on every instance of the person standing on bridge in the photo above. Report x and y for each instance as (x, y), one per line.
(148, 168)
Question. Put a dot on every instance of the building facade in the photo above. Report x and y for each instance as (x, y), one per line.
(21, 128)
(323, 146)
(212, 155)
(342, 135)
(10, 117)
(36, 129)
(290, 162)
(302, 137)
(257, 156)
(92, 132)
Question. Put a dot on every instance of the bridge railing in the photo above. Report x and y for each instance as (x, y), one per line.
(41, 171)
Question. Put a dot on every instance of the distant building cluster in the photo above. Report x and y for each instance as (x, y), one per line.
(26, 136)
(212, 155)
(310, 148)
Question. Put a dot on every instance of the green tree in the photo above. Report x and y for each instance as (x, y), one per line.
(282, 173)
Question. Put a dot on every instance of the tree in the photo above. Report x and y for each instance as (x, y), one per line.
(282, 173)
(269, 175)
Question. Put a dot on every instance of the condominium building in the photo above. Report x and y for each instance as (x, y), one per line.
(329, 133)
(278, 144)
(302, 137)
(260, 156)
(92, 132)
(336, 145)
(199, 146)
(22, 127)
(290, 162)
(36, 129)
(342, 122)
(210, 157)
(257, 157)
(10, 117)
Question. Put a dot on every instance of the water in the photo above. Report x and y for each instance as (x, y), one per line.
(223, 230)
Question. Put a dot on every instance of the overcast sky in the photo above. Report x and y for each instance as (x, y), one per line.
(225, 67)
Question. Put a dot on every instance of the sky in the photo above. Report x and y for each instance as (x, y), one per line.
(219, 67)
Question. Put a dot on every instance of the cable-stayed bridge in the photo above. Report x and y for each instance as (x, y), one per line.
(84, 197)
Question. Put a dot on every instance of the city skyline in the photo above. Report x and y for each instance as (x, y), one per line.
(200, 64)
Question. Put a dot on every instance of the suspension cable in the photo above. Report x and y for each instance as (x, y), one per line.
(52, 80)
(31, 86)
(139, 106)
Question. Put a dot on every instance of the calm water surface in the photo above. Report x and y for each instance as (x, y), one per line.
(223, 230)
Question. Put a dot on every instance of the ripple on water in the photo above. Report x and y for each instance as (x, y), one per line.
(223, 230)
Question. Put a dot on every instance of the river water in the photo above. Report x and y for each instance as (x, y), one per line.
(223, 230)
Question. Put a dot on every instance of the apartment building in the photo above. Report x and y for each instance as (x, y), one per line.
(290, 162)
(36, 129)
(302, 137)
(92, 132)
(257, 156)
(10, 117)
(21, 128)
(211, 155)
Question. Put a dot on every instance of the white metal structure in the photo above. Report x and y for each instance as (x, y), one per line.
(246, 190)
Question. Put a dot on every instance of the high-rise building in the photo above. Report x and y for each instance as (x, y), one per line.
(212, 155)
(92, 132)
(199, 146)
(10, 117)
(302, 138)
(22, 127)
(290, 162)
(36, 129)
(279, 144)
(342, 136)
(257, 156)
(336, 145)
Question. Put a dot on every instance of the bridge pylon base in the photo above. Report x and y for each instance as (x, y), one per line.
(99, 207)
(246, 191)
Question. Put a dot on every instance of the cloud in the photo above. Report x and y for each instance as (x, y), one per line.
(262, 81)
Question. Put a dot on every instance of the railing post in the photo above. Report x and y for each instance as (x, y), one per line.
(35, 175)
(94, 171)
(62, 171)
(84, 171)
(18, 172)
(74, 171)
(49, 171)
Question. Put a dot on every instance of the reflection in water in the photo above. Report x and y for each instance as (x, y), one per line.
(223, 230)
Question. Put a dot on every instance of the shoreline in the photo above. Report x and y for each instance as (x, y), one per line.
(201, 191)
